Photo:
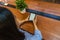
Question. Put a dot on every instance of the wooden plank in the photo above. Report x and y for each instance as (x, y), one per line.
(48, 27)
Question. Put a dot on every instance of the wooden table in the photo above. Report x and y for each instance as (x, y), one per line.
(50, 28)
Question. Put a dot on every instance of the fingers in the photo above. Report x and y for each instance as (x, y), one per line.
(35, 21)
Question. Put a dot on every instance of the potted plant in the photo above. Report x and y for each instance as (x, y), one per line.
(21, 5)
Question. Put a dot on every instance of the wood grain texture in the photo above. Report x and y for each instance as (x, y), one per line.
(28, 26)
(50, 28)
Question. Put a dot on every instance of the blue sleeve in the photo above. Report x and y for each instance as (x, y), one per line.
(37, 35)
(21, 30)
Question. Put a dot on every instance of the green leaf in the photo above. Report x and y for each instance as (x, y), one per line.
(20, 4)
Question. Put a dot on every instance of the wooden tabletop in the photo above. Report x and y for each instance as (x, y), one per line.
(50, 28)
(46, 7)
(50, 8)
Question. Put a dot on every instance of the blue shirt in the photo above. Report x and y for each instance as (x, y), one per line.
(37, 35)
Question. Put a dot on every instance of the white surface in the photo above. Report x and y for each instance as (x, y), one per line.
(32, 16)
(6, 4)
(23, 11)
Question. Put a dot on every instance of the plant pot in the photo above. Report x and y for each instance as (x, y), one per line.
(23, 11)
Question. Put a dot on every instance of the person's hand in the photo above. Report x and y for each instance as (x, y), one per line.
(35, 21)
